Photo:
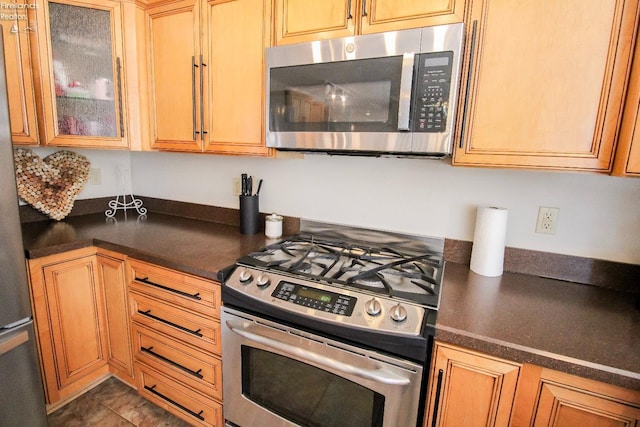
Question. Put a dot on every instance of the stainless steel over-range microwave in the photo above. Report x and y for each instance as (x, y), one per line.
(391, 93)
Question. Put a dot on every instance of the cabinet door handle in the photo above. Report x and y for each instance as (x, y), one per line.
(349, 15)
(193, 95)
(364, 7)
(198, 415)
(171, 362)
(436, 403)
(195, 296)
(167, 322)
(463, 126)
(119, 78)
(202, 131)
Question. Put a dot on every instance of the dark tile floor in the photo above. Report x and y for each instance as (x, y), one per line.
(112, 403)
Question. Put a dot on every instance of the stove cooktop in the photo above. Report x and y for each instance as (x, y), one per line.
(388, 264)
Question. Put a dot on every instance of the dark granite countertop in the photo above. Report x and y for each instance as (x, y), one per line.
(193, 246)
(579, 329)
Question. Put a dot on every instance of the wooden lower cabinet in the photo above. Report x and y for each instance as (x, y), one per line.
(171, 395)
(70, 318)
(550, 398)
(111, 272)
(176, 340)
(468, 388)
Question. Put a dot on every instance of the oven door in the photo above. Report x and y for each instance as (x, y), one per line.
(275, 375)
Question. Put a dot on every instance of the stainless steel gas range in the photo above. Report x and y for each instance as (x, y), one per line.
(331, 327)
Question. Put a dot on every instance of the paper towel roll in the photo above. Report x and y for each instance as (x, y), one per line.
(487, 253)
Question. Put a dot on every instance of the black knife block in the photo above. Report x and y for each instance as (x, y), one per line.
(249, 214)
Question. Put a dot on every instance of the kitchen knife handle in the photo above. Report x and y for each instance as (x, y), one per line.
(467, 95)
(193, 96)
(119, 77)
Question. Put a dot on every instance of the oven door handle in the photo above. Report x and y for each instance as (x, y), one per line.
(379, 375)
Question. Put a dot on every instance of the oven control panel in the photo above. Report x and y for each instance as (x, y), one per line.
(329, 302)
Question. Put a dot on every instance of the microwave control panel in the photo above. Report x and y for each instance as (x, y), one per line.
(431, 91)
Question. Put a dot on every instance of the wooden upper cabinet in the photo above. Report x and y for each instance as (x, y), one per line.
(174, 49)
(83, 74)
(547, 82)
(237, 35)
(19, 54)
(390, 15)
(299, 20)
(470, 389)
(628, 152)
(207, 75)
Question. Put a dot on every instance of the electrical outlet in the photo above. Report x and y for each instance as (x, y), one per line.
(547, 220)
(95, 176)
(237, 186)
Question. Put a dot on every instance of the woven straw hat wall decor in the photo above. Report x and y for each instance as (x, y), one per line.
(51, 184)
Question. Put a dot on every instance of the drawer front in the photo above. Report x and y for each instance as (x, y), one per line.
(181, 289)
(178, 399)
(186, 364)
(200, 332)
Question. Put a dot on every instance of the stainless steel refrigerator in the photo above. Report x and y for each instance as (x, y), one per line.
(21, 392)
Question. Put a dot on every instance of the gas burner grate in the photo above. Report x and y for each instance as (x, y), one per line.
(391, 271)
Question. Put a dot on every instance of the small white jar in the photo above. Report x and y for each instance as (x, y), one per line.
(273, 226)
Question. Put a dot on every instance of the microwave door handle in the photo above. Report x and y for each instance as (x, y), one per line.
(379, 375)
(406, 82)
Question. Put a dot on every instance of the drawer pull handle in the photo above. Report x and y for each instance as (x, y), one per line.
(176, 364)
(198, 415)
(146, 280)
(175, 325)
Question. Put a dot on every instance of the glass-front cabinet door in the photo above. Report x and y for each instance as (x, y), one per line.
(84, 99)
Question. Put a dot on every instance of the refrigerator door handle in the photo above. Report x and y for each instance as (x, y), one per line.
(13, 342)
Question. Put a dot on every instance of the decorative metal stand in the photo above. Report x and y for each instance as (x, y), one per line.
(117, 204)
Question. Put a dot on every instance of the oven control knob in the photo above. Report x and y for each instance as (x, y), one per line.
(373, 307)
(263, 281)
(245, 276)
(398, 313)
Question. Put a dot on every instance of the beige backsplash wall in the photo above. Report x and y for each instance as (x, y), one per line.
(599, 214)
